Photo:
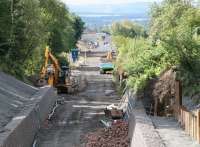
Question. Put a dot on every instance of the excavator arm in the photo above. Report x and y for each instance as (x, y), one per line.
(44, 67)
(52, 72)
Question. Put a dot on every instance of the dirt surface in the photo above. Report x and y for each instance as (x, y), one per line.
(80, 113)
(114, 136)
(13, 97)
(160, 90)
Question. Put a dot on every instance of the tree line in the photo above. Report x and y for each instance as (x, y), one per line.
(27, 26)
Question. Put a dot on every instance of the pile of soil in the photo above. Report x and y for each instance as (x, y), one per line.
(115, 136)
(159, 94)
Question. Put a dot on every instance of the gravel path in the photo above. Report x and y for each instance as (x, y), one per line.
(172, 134)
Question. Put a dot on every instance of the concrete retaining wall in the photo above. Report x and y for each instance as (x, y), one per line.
(141, 130)
(20, 132)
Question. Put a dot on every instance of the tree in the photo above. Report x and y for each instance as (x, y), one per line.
(23, 33)
(128, 29)
(174, 30)
(78, 26)
(30, 25)
(5, 24)
(178, 32)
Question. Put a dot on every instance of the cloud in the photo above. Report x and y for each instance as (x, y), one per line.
(106, 2)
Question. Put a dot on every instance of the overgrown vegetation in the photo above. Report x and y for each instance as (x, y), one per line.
(174, 40)
(128, 29)
(27, 26)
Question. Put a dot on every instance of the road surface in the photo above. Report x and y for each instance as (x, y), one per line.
(81, 113)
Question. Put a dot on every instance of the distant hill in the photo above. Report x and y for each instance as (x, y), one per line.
(100, 15)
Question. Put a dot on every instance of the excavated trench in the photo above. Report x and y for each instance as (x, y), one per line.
(79, 113)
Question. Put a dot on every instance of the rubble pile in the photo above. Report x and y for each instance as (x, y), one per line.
(114, 136)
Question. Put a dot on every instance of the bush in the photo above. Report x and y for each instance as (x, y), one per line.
(174, 42)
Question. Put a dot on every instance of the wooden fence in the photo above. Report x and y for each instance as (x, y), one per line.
(190, 121)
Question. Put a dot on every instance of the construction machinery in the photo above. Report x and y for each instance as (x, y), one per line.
(109, 56)
(106, 67)
(55, 75)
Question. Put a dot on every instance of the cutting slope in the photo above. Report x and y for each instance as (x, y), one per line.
(14, 94)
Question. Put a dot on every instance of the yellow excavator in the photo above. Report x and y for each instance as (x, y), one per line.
(55, 75)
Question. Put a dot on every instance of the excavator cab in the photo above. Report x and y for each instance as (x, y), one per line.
(49, 77)
(55, 75)
(64, 73)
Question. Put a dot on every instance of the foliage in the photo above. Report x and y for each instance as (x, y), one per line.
(173, 41)
(179, 35)
(63, 59)
(128, 29)
(23, 36)
(140, 60)
(178, 32)
(106, 29)
(27, 26)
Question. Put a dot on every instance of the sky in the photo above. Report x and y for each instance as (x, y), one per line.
(87, 2)
(109, 6)
(95, 11)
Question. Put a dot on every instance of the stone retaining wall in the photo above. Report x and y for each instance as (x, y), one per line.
(20, 132)
(141, 130)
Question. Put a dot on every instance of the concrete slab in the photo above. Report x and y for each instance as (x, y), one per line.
(14, 95)
(23, 109)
